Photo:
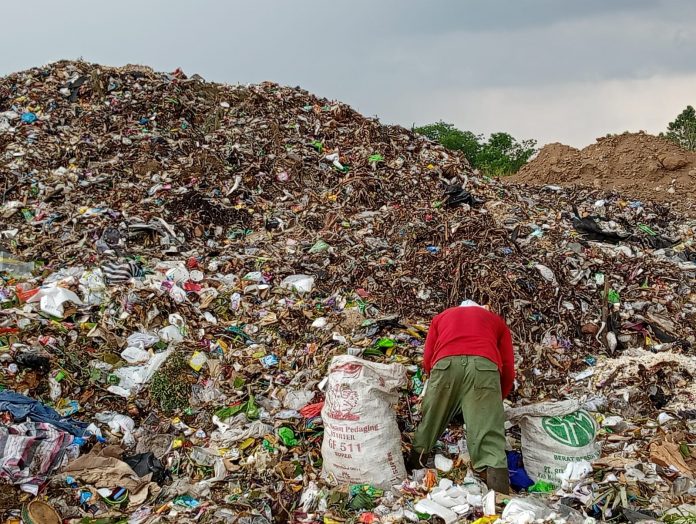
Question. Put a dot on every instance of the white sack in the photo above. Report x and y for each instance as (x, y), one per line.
(555, 434)
(362, 442)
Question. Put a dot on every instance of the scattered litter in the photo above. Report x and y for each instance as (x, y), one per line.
(183, 263)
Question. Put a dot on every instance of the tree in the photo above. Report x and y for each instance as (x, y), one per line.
(501, 154)
(453, 138)
(683, 130)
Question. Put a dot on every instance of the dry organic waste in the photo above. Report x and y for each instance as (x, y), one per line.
(180, 260)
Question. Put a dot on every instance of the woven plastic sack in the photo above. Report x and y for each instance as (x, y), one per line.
(555, 434)
(362, 442)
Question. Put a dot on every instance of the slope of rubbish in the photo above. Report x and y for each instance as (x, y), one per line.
(181, 259)
(642, 166)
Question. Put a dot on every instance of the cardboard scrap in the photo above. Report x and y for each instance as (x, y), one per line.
(667, 454)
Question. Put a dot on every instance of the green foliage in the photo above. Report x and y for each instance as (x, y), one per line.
(501, 154)
(453, 138)
(168, 386)
(683, 130)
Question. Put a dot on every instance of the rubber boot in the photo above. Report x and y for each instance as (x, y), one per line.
(498, 479)
(416, 460)
(482, 475)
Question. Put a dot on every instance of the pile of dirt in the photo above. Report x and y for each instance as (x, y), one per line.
(642, 166)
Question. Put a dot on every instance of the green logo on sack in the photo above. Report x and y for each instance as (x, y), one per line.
(575, 430)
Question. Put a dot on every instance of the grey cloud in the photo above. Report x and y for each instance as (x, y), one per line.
(371, 53)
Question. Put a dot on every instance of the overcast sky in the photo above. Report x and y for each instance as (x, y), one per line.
(554, 70)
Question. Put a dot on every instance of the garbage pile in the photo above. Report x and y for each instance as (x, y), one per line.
(181, 260)
(637, 164)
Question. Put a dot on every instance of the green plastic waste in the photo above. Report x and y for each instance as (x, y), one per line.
(252, 410)
(362, 306)
(370, 490)
(319, 247)
(541, 486)
(287, 436)
(249, 408)
(684, 450)
(613, 297)
(373, 352)
(230, 411)
(645, 229)
(239, 233)
(385, 343)
(363, 496)
(417, 382)
(362, 501)
(238, 331)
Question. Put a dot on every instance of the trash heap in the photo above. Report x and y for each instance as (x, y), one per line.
(180, 261)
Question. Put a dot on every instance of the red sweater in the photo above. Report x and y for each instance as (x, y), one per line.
(475, 331)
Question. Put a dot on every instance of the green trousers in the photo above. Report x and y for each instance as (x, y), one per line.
(470, 384)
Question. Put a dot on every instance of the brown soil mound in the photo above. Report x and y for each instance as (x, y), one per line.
(637, 164)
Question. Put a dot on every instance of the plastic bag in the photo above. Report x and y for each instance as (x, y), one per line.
(93, 287)
(119, 424)
(131, 378)
(51, 299)
(525, 511)
(12, 265)
(298, 283)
